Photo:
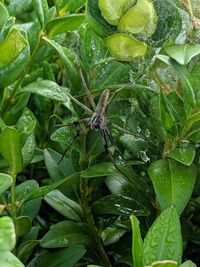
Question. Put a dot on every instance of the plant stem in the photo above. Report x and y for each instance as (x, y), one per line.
(12, 192)
(91, 223)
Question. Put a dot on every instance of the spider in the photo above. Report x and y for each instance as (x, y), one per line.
(98, 120)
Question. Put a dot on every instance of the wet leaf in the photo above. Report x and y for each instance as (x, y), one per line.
(65, 234)
(124, 47)
(188, 264)
(118, 204)
(163, 240)
(184, 155)
(112, 234)
(173, 183)
(41, 8)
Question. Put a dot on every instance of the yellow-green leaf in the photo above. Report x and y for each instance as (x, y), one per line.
(11, 47)
(124, 47)
(140, 19)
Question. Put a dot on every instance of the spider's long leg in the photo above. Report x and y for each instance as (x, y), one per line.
(122, 87)
(115, 126)
(73, 123)
(87, 90)
(106, 141)
(80, 104)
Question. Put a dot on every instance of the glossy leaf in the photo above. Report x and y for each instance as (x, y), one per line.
(67, 207)
(118, 204)
(140, 19)
(41, 8)
(17, 7)
(166, 116)
(64, 24)
(11, 149)
(165, 263)
(183, 74)
(111, 235)
(69, 65)
(68, 5)
(7, 234)
(3, 14)
(9, 260)
(29, 208)
(183, 53)
(112, 10)
(99, 170)
(163, 240)
(173, 183)
(96, 20)
(184, 155)
(25, 249)
(14, 63)
(137, 243)
(124, 47)
(48, 89)
(5, 182)
(64, 234)
(65, 257)
(22, 225)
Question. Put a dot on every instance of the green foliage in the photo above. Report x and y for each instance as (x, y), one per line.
(128, 193)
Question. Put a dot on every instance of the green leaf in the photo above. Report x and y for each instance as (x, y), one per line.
(166, 116)
(165, 263)
(47, 89)
(14, 57)
(23, 190)
(41, 8)
(9, 260)
(124, 47)
(4, 15)
(99, 170)
(112, 10)
(163, 240)
(11, 149)
(188, 264)
(65, 257)
(65, 234)
(25, 249)
(118, 204)
(183, 74)
(137, 243)
(140, 19)
(169, 22)
(64, 24)
(22, 225)
(96, 20)
(184, 155)
(69, 65)
(64, 6)
(111, 235)
(173, 183)
(17, 7)
(64, 205)
(11, 47)
(5, 182)
(183, 53)
(7, 234)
